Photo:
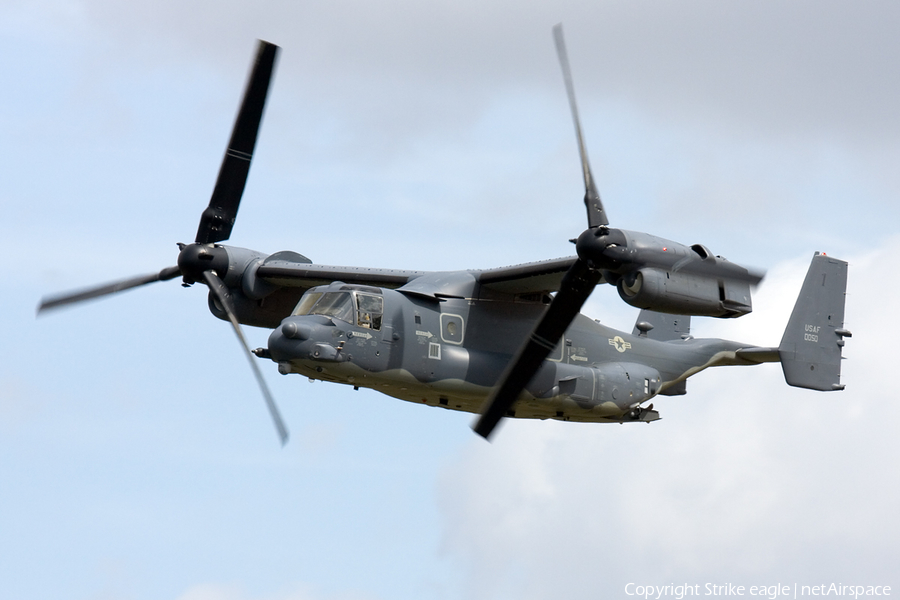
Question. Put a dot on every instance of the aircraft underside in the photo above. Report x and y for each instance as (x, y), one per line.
(456, 394)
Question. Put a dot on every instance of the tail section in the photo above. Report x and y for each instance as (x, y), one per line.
(664, 328)
(810, 349)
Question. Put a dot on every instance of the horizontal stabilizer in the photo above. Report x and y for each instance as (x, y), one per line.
(662, 327)
(810, 350)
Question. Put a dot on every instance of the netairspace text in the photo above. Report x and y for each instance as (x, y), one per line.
(772, 592)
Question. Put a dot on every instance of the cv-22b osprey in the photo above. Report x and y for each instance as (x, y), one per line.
(501, 342)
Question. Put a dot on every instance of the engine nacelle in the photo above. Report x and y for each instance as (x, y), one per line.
(685, 293)
(256, 302)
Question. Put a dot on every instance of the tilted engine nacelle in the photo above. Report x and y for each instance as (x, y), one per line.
(685, 293)
(665, 276)
(255, 302)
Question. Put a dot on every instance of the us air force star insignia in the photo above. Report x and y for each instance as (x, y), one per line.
(620, 344)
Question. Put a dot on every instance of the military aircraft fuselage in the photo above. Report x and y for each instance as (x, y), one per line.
(450, 351)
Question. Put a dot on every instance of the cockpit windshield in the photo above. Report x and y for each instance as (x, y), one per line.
(363, 309)
(308, 300)
(335, 304)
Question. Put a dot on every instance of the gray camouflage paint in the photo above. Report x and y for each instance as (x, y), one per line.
(445, 339)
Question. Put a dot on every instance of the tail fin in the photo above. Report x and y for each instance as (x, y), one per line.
(810, 350)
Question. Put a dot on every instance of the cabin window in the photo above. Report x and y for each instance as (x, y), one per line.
(370, 310)
(452, 328)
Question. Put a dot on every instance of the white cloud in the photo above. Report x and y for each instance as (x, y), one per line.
(807, 68)
(212, 592)
(222, 591)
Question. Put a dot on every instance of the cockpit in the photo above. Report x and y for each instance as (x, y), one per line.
(354, 304)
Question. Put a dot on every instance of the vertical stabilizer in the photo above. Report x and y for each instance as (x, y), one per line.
(810, 350)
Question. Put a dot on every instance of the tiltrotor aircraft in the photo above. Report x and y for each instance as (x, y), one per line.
(501, 342)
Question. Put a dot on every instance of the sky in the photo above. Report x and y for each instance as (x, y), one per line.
(137, 459)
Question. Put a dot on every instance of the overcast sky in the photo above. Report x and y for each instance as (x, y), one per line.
(136, 456)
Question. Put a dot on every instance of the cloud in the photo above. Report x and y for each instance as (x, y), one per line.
(220, 591)
(744, 480)
(212, 592)
(806, 68)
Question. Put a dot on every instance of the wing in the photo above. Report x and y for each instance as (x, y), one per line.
(283, 272)
(528, 278)
(295, 270)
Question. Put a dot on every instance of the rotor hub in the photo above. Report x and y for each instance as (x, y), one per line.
(602, 247)
(194, 259)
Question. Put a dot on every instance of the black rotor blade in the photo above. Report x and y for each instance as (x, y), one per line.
(107, 288)
(595, 212)
(218, 218)
(576, 286)
(221, 291)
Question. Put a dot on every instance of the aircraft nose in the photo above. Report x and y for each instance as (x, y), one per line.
(304, 338)
(287, 340)
(296, 331)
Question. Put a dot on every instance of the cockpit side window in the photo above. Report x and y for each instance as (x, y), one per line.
(371, 309)
(306, 303)
(335, 304)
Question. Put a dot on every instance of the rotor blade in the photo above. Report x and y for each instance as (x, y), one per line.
(577, 285)
(107, 288)
(218, 218)
(595, 212)
(218, 288)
